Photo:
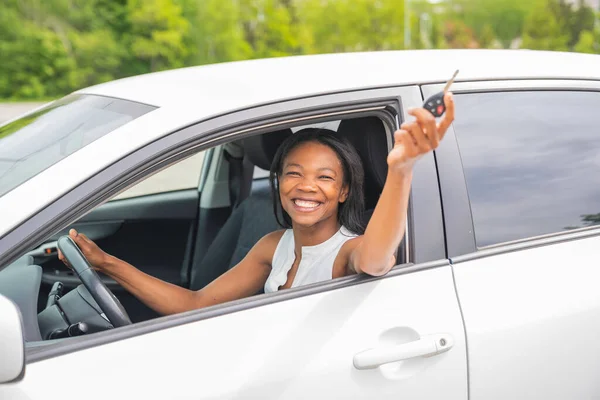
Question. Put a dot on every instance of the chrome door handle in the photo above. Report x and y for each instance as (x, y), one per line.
(427, 346)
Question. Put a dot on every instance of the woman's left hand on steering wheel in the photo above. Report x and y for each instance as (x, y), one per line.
(72, 255)
(416, 138)
(94, 254)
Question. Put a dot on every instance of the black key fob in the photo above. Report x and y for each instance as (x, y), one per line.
(435, 104)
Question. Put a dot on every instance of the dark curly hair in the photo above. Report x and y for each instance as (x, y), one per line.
(350, 212)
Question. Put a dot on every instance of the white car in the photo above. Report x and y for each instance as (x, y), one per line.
(495, 295)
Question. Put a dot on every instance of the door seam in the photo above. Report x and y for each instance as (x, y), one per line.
(462, 316)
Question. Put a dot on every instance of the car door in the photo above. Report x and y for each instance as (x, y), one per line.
(522, 226)
(400, 335)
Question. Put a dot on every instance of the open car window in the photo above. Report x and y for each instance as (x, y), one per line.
(35, 142)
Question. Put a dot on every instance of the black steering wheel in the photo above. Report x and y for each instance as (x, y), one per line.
(112, 307)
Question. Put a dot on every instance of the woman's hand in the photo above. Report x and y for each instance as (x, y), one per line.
(416, 138)
(95, 256)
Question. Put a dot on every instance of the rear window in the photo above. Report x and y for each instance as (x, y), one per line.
(37, 141)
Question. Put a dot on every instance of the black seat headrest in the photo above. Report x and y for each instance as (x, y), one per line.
(260, 149)
(369, 138)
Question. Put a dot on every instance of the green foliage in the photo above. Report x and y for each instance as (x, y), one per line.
(586, 42)
(341, 25)
(52, 47)
(216, 35)
(542, 29)
(506, 18)
(157, 35)
(573, 18)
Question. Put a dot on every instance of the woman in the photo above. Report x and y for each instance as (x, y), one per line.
(317, 186)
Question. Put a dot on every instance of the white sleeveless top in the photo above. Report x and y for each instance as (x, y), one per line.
(316, 263)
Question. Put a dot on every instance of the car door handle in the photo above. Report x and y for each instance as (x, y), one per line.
(427, 346)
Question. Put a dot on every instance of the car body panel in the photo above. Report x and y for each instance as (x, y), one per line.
(296, 349)
(532, 318)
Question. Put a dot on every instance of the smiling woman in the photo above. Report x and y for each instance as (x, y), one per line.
(317, 187)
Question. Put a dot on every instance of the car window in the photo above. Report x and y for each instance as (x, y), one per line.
(35, 142)
(259, 173)
(531, 162)
(183, 175)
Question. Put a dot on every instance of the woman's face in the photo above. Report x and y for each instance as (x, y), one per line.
(311, 184)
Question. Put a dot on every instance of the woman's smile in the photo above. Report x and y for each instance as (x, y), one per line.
(303, 205)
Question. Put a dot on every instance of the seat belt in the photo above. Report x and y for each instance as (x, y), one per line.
(235, 158)
(241, 171)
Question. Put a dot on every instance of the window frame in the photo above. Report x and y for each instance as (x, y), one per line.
(424, 244)
(458, 217)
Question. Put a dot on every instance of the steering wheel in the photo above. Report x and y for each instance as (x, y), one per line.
(112, 307)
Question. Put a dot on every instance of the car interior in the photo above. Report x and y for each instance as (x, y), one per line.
(186, 237)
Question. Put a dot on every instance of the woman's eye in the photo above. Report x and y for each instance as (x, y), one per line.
(326, 177)
(292, 173)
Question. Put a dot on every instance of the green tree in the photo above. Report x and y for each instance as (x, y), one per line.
(217, 34)
(487, 37)
(351, 25)
(158, 33)
(268, 28)
(457, 35)
(543, 31)
(98, 56)
(573, 18)
(586, 43)
(36, 61)
(505, 17)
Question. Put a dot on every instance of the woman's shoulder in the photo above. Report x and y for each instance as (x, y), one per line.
(267, 245)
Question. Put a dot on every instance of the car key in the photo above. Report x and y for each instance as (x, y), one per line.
(435, 104)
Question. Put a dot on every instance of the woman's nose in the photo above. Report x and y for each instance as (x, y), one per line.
(307, 184)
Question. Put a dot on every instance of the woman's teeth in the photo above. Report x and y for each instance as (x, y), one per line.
(306, 204)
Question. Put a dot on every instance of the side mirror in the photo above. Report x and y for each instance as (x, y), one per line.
(12, 344)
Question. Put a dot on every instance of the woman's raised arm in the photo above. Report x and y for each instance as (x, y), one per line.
(374, 252)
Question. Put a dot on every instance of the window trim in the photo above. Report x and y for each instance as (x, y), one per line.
(458, 217)
(171, 148)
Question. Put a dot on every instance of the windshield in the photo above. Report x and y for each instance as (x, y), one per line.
(33, 143)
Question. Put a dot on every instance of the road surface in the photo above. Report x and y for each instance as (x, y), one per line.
(12, 110)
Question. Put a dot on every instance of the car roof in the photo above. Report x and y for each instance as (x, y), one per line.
(265, 80)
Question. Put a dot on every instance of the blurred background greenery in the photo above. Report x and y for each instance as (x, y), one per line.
(49, 48)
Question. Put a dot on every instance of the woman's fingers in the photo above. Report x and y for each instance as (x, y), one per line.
(62, 258)
(404, 140)
(448, 117)
(426, 124)
(79, 238)
(416, 132)
(432, 132)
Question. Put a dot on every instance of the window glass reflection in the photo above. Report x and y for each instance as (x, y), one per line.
(531, 161)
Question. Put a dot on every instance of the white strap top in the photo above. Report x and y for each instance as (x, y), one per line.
(316, 263)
